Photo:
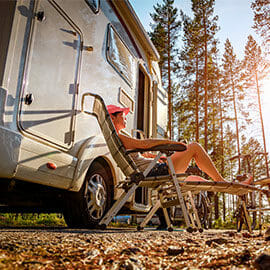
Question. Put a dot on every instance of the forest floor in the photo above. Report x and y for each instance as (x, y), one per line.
(125, 248)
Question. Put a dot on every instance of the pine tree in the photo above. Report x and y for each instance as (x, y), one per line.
(158, 37)
(207, 24)
(261, 10)
(189, 74)
(231, 84)
(221, 142)
(165, 33)
(253, 148)
(215, 120)
(199, 44)
(254, 71)
(198, 73)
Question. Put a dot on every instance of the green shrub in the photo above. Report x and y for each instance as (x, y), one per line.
(41, 220)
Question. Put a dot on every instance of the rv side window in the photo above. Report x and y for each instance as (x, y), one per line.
(120, 57)
(93, 4)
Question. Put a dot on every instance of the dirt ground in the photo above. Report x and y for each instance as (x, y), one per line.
(35, 248)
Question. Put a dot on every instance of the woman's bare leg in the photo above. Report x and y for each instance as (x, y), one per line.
(194, 151)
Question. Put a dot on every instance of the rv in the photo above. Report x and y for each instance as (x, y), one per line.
(53, 156)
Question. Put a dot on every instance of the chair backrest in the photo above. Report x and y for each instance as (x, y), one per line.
(117, 149)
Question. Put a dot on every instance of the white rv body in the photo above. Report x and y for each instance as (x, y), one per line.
(53, 52)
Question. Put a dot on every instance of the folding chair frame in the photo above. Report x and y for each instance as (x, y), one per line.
(131, 189)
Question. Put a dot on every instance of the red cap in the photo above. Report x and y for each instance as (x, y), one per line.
(113, 109)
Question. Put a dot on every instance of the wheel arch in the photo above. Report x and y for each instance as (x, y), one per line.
(105, 162)
(90, 152)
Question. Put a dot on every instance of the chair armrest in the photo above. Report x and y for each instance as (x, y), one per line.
(161, 148)
(262, 182)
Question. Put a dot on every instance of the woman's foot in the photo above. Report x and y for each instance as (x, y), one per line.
(248, 180)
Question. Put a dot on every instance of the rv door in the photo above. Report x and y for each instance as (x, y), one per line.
(144, 117)
(50, 80)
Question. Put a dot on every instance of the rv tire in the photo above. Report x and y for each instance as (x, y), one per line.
(85, 209)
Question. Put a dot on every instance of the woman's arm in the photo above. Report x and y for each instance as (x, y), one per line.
(131, 143)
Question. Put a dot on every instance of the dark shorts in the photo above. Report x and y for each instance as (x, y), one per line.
(159, 169)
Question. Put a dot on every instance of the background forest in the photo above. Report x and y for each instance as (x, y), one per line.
(214, 98)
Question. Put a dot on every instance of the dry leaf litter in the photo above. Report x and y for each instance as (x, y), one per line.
(129, 249)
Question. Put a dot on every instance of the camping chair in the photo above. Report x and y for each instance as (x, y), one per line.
(168, 198)
(251, 202)
(134, 177)
(170, 187)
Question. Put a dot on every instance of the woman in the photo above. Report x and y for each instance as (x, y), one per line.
(180, 160)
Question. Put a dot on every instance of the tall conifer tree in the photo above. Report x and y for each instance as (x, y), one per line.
(165, 33)
(203, 11)
(198, 72)
(254, 71)
(191, 58)
(231, 79)
(261, 10)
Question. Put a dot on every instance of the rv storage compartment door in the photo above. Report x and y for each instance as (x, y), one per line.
(50, 80)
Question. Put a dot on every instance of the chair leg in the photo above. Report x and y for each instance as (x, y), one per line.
(150, 215)
(189, 211)
(246, 215)
(260, 212)
(167, 218)
(179, 194)
(117, 206)
(195, 211)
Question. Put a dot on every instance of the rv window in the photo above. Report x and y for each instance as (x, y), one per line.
(93, 4)
(120, 57)
(161, 132)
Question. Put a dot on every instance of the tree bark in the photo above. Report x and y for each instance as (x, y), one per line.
(169, 85)
(237, 128)
(205, 86)
(262, 125)
(222, 151)
(197, 97)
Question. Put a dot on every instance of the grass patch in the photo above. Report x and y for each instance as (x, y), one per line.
(36, 220)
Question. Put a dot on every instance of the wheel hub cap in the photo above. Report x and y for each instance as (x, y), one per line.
(96, 196)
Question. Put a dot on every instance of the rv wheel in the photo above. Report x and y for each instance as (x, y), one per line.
(86, 207)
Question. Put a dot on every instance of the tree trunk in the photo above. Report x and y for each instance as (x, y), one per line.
(263, 135)
(214, 156)
(237, 128)
(197, 97)
(169, 86)
(222, 150)
(205, 87)
(216, 200)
